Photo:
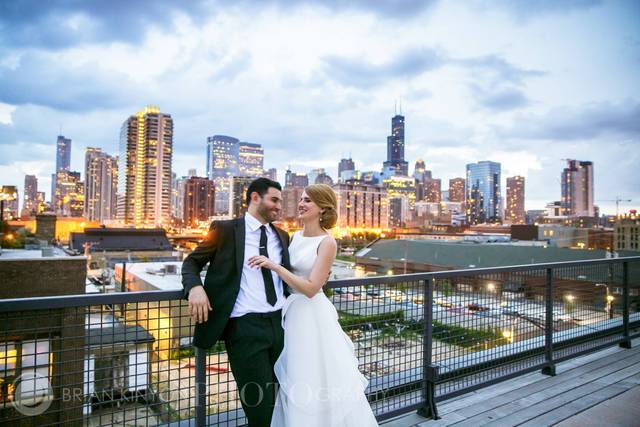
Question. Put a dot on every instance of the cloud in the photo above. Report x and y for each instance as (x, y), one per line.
(44, 79)
(524, 10)
(60, 24)
(498, 69)
(621, 120)
(364, 74)
(499, 99)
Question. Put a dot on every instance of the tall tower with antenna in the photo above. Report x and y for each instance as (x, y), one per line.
(395, 144)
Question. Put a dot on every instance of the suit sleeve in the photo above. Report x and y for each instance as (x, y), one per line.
(196, 260)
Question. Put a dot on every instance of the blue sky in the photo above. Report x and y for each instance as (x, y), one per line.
(524, 83)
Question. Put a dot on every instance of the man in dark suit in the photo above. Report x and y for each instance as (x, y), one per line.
(239, 304)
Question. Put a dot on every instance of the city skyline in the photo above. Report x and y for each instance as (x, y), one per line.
(514, 96)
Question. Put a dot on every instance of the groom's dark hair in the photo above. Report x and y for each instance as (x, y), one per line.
(261, 186)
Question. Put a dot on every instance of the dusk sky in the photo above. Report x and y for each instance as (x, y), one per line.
(523, 83)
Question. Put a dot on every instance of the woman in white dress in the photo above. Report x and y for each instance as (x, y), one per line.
(320, 384)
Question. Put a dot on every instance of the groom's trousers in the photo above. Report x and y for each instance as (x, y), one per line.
(254, 342)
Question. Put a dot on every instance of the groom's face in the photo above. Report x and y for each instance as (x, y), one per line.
(270, 204)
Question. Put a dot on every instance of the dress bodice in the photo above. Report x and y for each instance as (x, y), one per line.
(303, 252)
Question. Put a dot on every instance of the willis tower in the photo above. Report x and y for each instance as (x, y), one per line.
(395, 147)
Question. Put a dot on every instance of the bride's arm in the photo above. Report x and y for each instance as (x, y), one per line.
(319, 273)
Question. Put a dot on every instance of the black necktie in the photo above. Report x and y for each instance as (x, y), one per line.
(269, 288)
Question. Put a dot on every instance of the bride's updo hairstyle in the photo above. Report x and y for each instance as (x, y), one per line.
(323, 196)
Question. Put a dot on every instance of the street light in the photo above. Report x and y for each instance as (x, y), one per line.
(609, 299)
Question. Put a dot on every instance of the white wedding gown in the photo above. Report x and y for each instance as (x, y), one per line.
(320, 384)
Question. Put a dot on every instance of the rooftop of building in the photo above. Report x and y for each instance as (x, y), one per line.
(119, 239)
(461, 255)
(27, 254)
(156, 275)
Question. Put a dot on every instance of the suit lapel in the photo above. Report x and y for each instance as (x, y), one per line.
(239, 238)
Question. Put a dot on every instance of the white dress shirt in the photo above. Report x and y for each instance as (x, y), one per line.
(252, 297)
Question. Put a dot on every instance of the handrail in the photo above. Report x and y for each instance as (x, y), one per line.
(76, 300)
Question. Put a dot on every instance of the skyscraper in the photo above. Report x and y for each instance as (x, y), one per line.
(395, 147)
(199, 200)
(69, 194)
(63, 153)
(237, 196)
(483, 192)
(418, 170)
(345, 165)
(223, 154)
(63, 163)
(456, 190)
(515, 212)
(272, 174)
(101, 182)
(433, 190)
(577, 188)
(250, 159)
(144, 178)
(30, 200)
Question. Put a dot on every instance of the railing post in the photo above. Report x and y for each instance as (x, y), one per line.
(626, 341)
(429, 371)
(201, 387)
(550, 368)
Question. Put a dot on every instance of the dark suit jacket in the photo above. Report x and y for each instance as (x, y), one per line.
(223, 248)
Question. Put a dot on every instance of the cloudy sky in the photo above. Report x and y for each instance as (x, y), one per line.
(525, 83)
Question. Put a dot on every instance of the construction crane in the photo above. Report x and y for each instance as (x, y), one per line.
(618, 200)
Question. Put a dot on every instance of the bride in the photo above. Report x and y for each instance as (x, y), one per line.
(317, 371)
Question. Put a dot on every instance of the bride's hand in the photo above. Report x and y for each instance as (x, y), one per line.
(260, 261)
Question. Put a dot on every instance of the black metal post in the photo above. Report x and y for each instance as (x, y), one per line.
(201, 387)
(626, 341)
(550, 368)
(429, 372)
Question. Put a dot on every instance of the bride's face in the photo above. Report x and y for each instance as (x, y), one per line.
(307, 209)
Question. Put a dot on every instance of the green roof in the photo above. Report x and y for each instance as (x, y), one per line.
(473, 255)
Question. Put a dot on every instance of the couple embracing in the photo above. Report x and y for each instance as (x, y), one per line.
(262, 294)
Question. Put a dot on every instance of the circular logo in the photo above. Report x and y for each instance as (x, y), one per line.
(32, 393)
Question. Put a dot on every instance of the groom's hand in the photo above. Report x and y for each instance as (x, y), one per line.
(199, 305)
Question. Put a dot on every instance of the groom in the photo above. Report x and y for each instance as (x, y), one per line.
(239, 304)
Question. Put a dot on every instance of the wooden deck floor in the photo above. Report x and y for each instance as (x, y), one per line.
(599, 389)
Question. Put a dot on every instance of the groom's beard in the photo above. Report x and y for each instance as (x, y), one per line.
(269, 215)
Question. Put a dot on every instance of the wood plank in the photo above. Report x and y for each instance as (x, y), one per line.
(621, 410)
(529, 406)
(495, 390)
(577, 406)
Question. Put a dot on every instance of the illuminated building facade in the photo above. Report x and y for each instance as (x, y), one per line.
(250, 159)
(577, 189)
(515, 213)
(101, 182)
(144, 178)
(199, 200)
(362, 206)
(456, 190)
(482, 192)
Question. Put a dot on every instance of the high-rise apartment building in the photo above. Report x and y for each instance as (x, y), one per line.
(30, 203)
(290, 198)
(577, 189)
(395, 147)
(199, 200)
(515, 212)
(250, 159)
(433, 190)
(272, 174)
(362, 206)
(237, 196)
(144, 178)
(69, 194)
(101, 183)
(456, 190)
(482, 192)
